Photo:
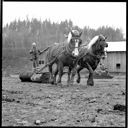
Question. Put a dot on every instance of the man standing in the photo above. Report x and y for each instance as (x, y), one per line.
(35, 55)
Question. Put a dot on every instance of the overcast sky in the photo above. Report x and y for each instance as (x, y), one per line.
(92, 14)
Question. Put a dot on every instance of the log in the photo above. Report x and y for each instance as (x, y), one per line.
(33, 77)
(41, 78)
(26, 76)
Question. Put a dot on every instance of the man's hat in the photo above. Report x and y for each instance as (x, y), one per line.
(33, 44)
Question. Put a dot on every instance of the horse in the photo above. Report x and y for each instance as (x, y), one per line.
(95, 51)
(63, 54)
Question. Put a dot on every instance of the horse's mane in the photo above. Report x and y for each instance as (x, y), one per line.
(93, 41)
(95, 45)
(69, 37)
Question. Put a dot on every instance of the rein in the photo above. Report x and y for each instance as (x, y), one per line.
(81, 46)
(97, 56)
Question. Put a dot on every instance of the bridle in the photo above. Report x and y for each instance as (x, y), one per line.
(68, 48)
(98, 56)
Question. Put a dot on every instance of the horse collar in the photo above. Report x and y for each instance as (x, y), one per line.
(68, 54)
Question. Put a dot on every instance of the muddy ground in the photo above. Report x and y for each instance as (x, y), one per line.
(35, 104)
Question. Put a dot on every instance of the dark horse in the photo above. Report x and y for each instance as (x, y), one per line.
(95, 51)
(63, 54)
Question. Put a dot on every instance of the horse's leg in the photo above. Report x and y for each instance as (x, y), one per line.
(60, 70)
(55, 74)
(69, 72)
(90, 78)
(51, 75)
(78, 74)
(73, 75)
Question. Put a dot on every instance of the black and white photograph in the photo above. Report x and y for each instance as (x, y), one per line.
(63, 64)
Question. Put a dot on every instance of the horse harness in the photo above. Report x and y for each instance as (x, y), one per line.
(96, 56)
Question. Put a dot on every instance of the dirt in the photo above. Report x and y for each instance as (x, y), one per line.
(37, 104)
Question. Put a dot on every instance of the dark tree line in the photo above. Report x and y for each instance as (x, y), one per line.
(19, 35)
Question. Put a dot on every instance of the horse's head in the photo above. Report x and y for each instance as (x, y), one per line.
(97, 46)
(74, 41)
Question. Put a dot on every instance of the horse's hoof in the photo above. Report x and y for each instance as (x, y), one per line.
(78, 80)
(90, 83)
(51, 82)
(59, 84)
(55, 83)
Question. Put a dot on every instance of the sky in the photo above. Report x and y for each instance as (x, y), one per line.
(92, 14)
